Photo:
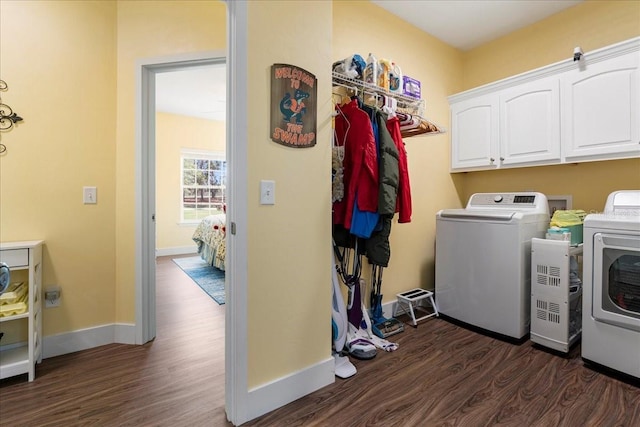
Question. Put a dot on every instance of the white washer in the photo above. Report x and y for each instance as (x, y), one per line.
(611, 301)
(483, 260)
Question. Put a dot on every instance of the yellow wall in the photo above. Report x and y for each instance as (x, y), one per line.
(173, 133)
(71, 66)
(591, 25)
(289, 270)
(361, 27)
(149, 29)
(59, 60)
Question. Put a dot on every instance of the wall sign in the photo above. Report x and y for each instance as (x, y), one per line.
(294, 97)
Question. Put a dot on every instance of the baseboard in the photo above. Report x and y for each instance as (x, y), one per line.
(179, 250)
(83, 339)
(285, 390)
(388, 309)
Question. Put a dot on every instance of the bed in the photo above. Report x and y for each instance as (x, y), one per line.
(210, 236)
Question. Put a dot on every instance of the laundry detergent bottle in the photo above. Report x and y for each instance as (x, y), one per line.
(384, 73)
(395, 79)
(371, 70)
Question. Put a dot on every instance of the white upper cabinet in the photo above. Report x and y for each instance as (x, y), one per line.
(568, 112)
(475, 133)
(530, 123)
(601, 110)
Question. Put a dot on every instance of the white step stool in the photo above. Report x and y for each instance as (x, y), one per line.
(414, 296)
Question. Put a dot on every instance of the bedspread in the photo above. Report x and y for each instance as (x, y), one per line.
(210, 236)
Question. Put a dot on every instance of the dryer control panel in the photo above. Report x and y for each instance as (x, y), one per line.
(524, 201)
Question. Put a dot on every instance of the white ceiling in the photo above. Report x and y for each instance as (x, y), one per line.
(464, 24)
(196, 92)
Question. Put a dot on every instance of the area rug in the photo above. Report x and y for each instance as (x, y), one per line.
(209, 278)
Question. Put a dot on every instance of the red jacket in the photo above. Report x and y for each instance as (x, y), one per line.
(354, 131)
(403, 204)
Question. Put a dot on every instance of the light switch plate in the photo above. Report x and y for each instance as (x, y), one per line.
(89, 195)
(267, 192)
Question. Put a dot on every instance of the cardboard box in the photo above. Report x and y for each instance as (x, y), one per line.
(411, 87)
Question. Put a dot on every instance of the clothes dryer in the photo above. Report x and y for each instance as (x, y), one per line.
(611, 283)
(483, 260)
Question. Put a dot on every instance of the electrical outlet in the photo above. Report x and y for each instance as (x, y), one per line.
(52, 296)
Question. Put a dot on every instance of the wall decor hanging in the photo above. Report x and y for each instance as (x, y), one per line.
(294, 115)
(7, 117)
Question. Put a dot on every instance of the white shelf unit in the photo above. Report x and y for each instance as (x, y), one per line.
(556, 309)
(406, 103)
(20, 358)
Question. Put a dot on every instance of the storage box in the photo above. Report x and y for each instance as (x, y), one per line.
(569, 232)
(576, 234)
(559, 233)
(411, 87)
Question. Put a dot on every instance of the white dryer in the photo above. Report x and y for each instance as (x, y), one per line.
(611, 284)
(483, 260)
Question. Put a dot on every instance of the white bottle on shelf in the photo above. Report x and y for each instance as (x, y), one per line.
(371, 70)
(395, 79)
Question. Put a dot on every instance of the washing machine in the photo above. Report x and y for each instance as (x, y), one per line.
(483, 261)
(611, 284)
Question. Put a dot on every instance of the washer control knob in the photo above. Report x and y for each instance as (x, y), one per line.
(497, 198)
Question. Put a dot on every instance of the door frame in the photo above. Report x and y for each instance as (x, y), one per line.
(237, 395)
(236, 390)
(145, 181)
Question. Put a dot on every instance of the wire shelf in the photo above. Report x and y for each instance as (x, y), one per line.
(406, 103)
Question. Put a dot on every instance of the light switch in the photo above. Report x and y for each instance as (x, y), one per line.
(267, 192)
(89, 195)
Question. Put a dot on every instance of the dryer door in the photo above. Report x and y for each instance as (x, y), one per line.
(616, 279)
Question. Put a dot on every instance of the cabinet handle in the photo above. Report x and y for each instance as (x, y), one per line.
(502, 159)
(492, 159)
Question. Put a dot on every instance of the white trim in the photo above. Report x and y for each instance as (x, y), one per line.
(144, 204)
(124, 333)
(203, 154)
(83, 339)
(598, 55)
(178, 250)
(236, 349)
(284, 390)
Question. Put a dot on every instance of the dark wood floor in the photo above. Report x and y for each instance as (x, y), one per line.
(442, 375)
(175, 380)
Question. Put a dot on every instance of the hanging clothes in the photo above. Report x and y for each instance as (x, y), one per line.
(388, 167)
(361, 176)
(377, 247)
(403, 205)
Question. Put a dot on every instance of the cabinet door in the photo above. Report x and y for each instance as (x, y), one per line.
(474, 134)
(601, 110)
(530, 123)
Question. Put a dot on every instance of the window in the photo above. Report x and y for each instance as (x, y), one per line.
(204, 180)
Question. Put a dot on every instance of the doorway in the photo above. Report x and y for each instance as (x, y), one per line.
(146, 184)
(238, 399)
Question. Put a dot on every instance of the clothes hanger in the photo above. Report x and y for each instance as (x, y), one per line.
(338, 112)
(389, 105)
